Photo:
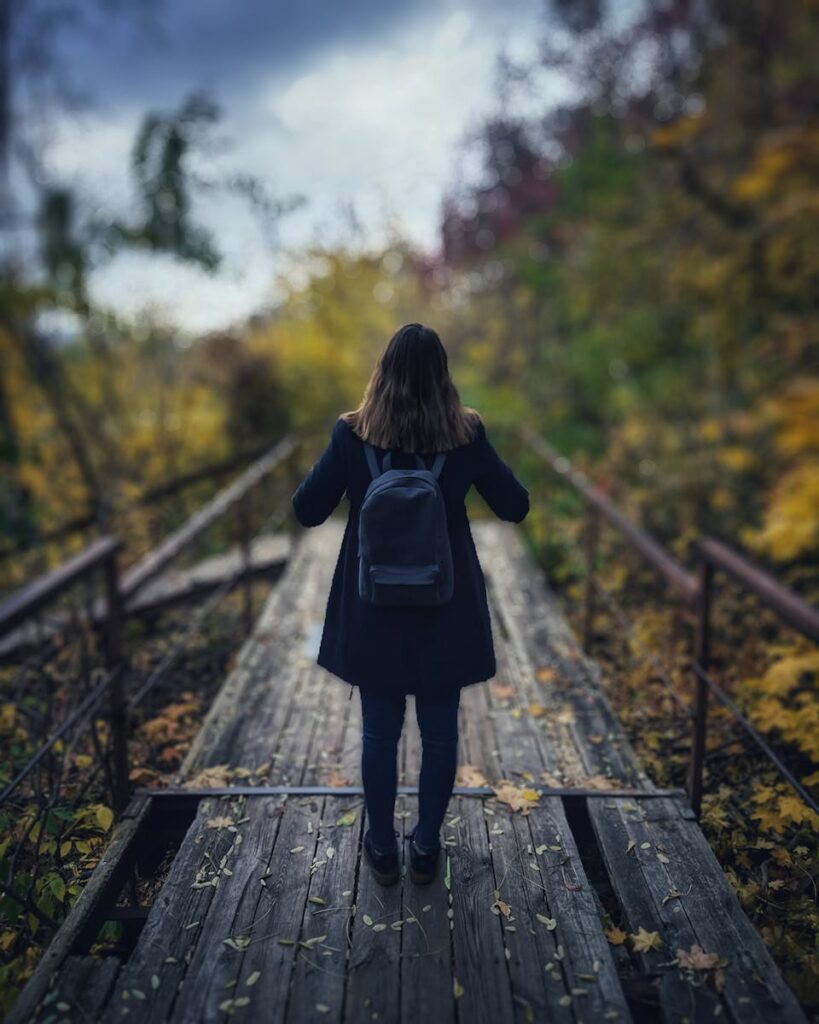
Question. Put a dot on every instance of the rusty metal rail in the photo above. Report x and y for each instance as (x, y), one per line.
(681, 581)
(169, 488)
(694, 593)
(109, 611)
(20, 606)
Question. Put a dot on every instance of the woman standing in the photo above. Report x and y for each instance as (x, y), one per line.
(410, 408)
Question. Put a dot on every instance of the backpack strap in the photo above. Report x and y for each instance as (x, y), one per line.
(437, 465)
(372, 462)
(375, 472)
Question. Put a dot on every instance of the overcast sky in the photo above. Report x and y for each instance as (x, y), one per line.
(361, 104)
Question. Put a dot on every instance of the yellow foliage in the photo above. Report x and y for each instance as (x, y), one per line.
(736, 457)
(789, 153)
(790, 525)
(796, 413)
(678, 132)
(711, 429)
(778, 807)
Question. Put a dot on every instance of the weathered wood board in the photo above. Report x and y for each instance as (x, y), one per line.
(270, 914)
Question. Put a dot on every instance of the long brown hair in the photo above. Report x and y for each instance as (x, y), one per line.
(411, 402)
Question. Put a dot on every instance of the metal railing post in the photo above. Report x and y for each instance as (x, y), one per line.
(116, 693)
(701, 654)
(592, 537)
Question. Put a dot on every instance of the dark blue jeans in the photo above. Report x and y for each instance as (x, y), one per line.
(383, 720)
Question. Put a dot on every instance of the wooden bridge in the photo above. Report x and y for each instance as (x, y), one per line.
(593, 897)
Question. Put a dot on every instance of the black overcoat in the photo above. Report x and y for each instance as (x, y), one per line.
(413, 649)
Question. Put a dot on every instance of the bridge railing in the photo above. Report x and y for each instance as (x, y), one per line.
(694, 594)
(113, 517)
(49, 769)
(74, 657)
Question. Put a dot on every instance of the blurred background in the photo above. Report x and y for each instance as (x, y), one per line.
(213, 219)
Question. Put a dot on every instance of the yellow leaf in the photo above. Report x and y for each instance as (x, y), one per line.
(471, 775)
(105, 816)
(616, 936)
(519, 799)
(643, 941)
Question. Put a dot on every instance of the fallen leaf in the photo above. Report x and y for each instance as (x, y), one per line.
(643, 941)
(519, 799)
(209, 778)
(221, 821)
(470, 775)
(696, 959)
(550, 922)
(616, 936)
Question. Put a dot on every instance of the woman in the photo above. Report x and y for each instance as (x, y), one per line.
(410, 405)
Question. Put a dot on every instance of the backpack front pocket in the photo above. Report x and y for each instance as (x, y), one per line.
(404, 584)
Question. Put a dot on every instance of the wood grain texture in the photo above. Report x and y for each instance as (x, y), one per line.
(512, 928)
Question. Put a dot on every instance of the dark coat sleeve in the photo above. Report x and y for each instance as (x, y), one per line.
(497, 484)
(323, 487)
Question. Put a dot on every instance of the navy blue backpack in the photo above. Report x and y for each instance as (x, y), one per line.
(404, 557)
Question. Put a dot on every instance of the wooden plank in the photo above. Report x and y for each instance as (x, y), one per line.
(578, 721)
(148, 984)
(232, 915)
(521, 748)
(477, 728)
(634, 877)
(281, 708)
(215, 980)
(82, 989)
(373, 968)
(479, 952)
(320, 973)
(571, 899)
(246, 693)
(265, 966)
(671, 855)
(307, 959)
(426, 949)
(524, 908)
(268, 555)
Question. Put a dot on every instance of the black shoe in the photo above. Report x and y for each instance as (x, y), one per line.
(422, 862)
(385, 866)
